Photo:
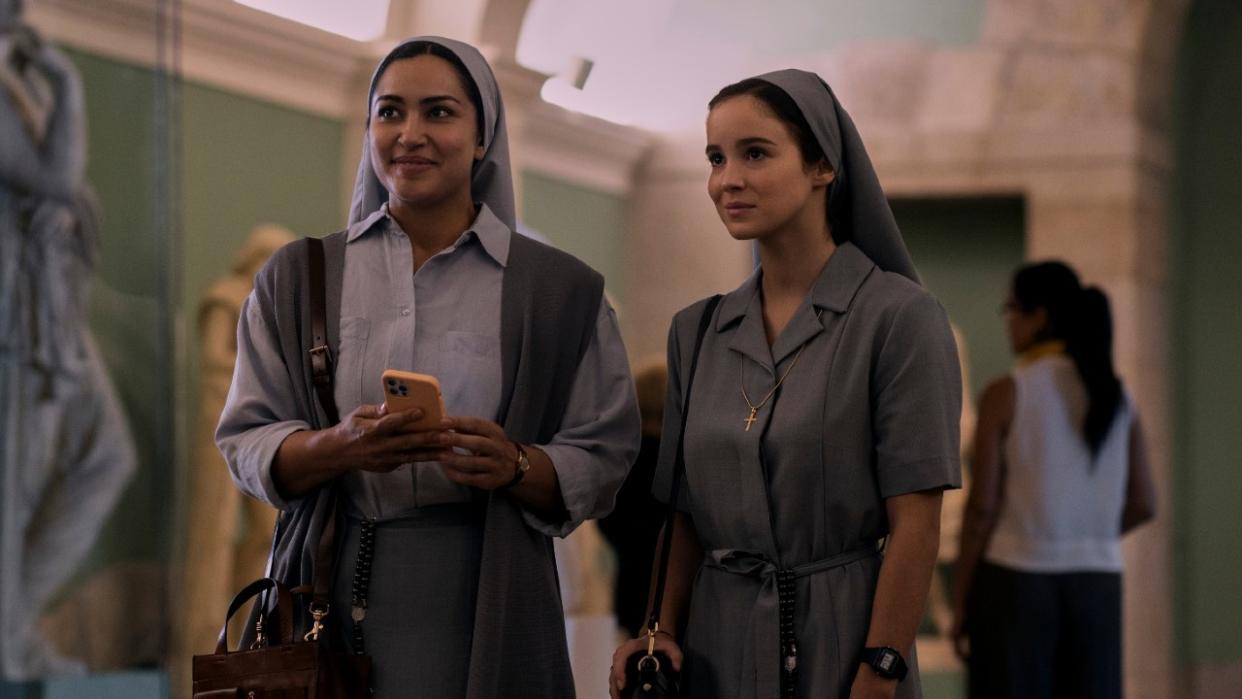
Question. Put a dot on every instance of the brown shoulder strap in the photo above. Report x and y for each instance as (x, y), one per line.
(322, 373)
(320, 354)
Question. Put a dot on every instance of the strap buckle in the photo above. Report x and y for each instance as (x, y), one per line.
(320, 353)
(260, 640)
(321, 359)
(318, 613)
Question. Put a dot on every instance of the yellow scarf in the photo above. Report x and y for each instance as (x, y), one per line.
(1041, 350)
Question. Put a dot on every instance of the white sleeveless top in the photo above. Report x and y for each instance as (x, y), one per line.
(1059, 512)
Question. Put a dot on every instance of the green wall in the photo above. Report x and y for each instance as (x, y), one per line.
(248, 162)
(130, 301)
(965, 251)
(243, 162)
(584, 222)
(1206, 335)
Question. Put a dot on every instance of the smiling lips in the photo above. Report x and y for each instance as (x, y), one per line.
(411, 164)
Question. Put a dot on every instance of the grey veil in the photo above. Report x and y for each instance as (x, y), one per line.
(491, 180)
(857, 208)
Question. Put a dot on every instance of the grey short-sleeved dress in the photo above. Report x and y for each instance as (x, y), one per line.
(869, 412)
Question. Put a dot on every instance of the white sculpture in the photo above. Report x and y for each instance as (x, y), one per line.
(229, 534)
(65, 449)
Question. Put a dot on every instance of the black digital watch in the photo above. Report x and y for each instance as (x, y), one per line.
(886, 662)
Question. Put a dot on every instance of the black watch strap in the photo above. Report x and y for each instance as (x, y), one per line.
(886, 662)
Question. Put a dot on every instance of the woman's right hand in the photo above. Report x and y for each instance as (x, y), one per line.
(368, 438)
(371, 439)
(664, 644)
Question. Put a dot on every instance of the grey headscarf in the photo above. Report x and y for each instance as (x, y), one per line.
(491, 180)
(857, 207)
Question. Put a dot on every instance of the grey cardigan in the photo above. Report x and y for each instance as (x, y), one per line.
(549, 304)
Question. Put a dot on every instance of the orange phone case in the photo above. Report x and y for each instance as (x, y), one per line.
(405, 390)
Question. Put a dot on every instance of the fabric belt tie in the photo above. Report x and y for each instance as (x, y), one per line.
(761, 661)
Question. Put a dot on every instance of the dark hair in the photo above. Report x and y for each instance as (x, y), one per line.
(787, 111)
(429, 48)
(1082, 319)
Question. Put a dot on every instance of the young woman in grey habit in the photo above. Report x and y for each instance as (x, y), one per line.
(455, 591)
(823, 420)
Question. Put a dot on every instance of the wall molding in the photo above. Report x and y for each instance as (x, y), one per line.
(224, 45)
(582, 150)
(241, 50)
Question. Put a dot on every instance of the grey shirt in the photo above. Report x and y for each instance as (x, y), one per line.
(442, 320)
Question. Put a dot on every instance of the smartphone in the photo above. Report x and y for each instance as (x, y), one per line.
(405, 390)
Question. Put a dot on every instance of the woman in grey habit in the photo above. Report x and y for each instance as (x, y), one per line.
(462, 597)
(823, 420)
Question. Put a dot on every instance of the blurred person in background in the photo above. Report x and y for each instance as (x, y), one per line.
(1059, 474)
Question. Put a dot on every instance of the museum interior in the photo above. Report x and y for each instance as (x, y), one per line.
(198, 137)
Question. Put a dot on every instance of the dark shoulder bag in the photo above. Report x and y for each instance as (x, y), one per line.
(648, 674)
(280, 665)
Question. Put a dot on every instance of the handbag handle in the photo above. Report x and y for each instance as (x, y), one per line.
(679, 468)
(284, 611)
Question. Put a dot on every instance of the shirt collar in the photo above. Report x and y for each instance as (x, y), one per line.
(493, 234)
(365, 225)
(834, 289)
(490, 231)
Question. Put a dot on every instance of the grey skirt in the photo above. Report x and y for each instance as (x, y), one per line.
(420, 613)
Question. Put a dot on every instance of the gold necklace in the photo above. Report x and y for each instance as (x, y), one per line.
(754, 409)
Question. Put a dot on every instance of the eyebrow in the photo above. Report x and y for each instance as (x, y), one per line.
(426, 100)
(750, 141)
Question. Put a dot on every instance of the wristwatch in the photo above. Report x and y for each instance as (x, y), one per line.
(886, 662)
(520, 467)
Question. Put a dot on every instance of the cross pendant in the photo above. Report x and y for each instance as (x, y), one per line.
(750, 419)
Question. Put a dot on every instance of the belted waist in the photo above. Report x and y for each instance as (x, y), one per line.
(759, 566)
(761, 659)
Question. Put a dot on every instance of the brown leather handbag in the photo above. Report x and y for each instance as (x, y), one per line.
(278, 667)
(283, 667)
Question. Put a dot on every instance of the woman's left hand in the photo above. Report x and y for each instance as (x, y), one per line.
(492, 459)
(868, 685)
